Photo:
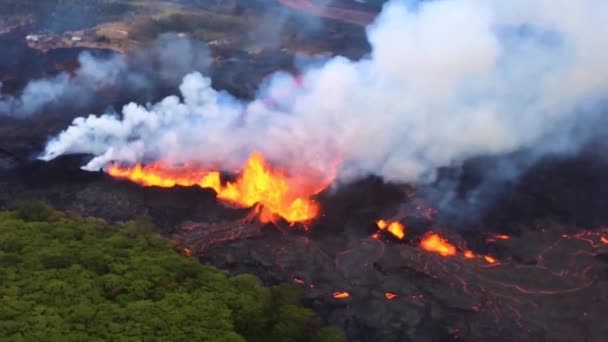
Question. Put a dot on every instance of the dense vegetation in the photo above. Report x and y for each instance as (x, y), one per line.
(67, 278)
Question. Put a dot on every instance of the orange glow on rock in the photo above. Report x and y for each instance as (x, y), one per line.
(274, 193)
(390, 295)
(341, 295)
(396, 228)
(434, 243)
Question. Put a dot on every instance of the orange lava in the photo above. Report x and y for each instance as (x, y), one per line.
(390, 295)
(341, 295)
(604, 240)
(469, 254)
(274, 193)
(434, 243)
(396, 228)
(502, 237)
(381, 224)
(490, 259)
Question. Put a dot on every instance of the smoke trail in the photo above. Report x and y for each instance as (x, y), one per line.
(93, 73)
(169, 58)
(446, 81)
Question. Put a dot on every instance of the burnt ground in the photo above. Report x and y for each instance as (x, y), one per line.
(549, 281)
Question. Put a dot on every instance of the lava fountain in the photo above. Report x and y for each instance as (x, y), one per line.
(269, 190)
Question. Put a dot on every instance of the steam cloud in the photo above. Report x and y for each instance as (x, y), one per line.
(93, 73)
(446, 80)
(170, 57)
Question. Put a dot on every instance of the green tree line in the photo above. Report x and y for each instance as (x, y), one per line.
(68, 278)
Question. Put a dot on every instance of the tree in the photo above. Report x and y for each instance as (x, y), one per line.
(67, 278)
(34, 211)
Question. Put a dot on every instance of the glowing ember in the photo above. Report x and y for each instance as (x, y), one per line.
(434, 243)
(502, 237)
(490, 259)
(469, 254)
(341, 295)
(272, 191)
(604, 240)
(390, 295)
(395, 228)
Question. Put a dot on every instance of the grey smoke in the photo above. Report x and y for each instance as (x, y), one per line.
(447, 80)
(94, 73)
(169, 58)
(280, 24)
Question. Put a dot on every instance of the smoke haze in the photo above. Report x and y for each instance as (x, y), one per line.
(446, 80)
(169, 58)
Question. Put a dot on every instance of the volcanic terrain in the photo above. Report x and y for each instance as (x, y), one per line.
(381, 260)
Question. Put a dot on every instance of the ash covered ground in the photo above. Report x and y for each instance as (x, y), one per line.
(546, 232)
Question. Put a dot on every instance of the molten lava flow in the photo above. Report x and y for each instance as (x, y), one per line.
(381, 224)
(159, 175)
(469, 254)
(390, 295)
(490, 259)
(395, 228)
(434, 243)
(259, 185)
(496, 237)
(341, 295)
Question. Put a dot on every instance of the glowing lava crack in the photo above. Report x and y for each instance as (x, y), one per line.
(271, 191)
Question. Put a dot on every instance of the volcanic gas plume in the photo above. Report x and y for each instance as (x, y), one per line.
(170, 56)
(446, 81)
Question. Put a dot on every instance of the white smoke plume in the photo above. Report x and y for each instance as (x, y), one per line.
(169, 56)
(93, 73)
(446, 80)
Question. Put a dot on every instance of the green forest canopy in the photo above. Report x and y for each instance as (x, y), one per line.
(67, 278)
